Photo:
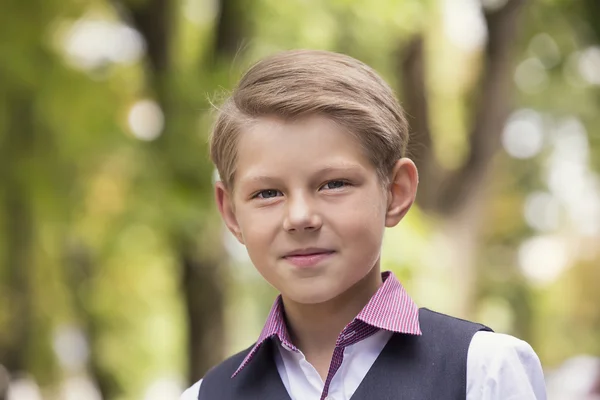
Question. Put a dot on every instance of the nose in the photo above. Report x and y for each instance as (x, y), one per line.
(301, 215)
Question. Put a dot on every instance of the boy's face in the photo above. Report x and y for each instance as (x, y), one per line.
(309, 207)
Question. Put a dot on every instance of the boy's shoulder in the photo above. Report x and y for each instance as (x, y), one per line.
(483, 340)
(230, 365)
(217, 382)
(434, 323)
(501, 363)
(219, 373)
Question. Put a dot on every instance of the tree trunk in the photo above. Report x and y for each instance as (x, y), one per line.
(19, 231)
(81, 270)
(458, 196)
(202, 265)
(231, 27)
(4, 381)
(203, 281)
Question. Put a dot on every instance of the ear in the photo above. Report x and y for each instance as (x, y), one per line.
(227, 211)
(401, 191)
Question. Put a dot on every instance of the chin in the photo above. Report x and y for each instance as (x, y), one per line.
(310, 299)
(313, 294)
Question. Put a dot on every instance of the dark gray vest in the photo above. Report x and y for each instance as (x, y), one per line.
(432, 366)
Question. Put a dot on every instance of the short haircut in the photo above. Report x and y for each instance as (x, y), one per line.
(299, 83)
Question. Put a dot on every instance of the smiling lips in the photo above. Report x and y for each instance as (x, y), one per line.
(309, 257)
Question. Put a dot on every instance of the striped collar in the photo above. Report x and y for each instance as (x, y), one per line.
(390, 308)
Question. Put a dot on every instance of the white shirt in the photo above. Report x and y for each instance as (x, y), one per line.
(499, 367)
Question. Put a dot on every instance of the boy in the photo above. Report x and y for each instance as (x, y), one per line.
(310, 150)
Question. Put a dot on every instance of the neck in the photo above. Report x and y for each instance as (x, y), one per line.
(314, 328)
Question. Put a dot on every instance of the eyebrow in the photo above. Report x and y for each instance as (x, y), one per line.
(339, 168)
(328, 169)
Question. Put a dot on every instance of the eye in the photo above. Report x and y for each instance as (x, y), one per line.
(337, 184)
(267, 194)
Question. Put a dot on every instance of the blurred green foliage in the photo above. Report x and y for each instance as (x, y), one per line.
(101, 211)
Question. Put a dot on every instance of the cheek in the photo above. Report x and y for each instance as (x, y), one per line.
(257, 242)
(258, 228)
(362, 221)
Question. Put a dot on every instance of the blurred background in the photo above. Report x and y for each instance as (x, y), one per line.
(117, 279)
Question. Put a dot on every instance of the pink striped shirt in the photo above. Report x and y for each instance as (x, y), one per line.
(390, 308)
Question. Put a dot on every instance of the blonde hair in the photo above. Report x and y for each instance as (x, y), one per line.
(298, 83)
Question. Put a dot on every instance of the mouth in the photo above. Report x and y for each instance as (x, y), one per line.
(308, 257)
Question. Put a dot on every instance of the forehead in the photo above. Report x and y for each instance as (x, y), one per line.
(274, 147)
